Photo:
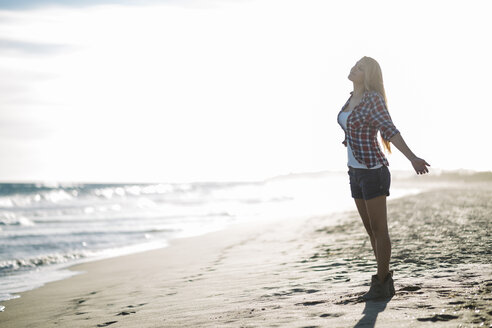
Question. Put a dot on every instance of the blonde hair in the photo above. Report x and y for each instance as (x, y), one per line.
(373, 81)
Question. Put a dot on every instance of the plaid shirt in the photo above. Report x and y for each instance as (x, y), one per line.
(363, 124)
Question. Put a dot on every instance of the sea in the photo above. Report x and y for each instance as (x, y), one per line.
(47, 227)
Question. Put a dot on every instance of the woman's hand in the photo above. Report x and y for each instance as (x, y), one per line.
(420, 165)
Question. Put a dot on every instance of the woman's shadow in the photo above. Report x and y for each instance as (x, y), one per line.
(371, 312)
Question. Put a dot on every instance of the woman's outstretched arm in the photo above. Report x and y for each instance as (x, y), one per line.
(418, 163)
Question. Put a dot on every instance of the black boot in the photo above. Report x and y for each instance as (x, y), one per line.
(379, 290)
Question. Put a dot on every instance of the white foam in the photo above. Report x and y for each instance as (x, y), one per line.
(11, 218)
(24, 281)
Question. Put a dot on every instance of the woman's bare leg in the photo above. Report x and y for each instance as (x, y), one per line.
(361, 207)
(376, 209)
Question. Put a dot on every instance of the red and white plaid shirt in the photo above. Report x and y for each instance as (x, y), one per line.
(363, 124)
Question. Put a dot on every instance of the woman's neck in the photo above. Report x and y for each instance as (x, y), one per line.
(358, 90)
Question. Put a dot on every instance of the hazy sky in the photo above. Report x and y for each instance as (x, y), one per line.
(232, 90)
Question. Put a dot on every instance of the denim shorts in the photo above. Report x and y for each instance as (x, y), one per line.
(369, 183)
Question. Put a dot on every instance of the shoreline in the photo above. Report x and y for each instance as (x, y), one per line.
(62, 271)
(282, 273)
(405, 183)
(182, 254)
(59, 271)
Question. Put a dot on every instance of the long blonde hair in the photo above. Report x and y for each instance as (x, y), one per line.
(373, 81)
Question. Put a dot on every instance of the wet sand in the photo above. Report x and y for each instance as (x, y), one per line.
(294, 273)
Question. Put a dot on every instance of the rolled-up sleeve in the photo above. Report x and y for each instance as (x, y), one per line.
(380, 117)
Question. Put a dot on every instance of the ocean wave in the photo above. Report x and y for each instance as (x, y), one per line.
(6, 202)
(30, 263)
(121, 218)
(146, 196)
(110, 191)
(10, 218)
(35, 199)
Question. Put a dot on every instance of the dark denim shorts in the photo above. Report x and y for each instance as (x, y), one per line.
(369, 183)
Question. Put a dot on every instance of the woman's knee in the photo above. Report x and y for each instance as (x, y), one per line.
(379, 231)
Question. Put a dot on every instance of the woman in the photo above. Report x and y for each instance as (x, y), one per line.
(363, 115)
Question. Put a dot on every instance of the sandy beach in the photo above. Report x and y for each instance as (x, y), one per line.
(290, 273)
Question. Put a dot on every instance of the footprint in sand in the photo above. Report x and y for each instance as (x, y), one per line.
(81, 300)
(335, 315)
(78, 301)
(194, 277)
(311, 303)
(106, 323)
(296, 290)
(290, 292)
(410, 288)
(138, 305)
(439, 317)
(355, 298)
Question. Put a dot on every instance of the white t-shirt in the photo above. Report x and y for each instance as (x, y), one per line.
(352, 161)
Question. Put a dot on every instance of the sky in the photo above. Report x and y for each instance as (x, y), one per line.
(216, 90)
